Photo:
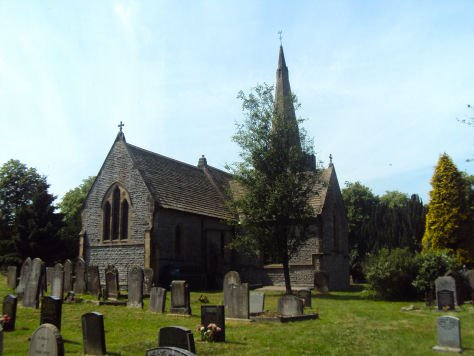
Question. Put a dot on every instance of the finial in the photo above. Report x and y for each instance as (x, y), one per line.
(280, 32)
(121, 125)
(330, 158)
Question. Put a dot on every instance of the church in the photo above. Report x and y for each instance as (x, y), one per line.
(156, 212)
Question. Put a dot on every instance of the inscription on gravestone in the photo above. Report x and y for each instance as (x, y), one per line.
(32, 288)
(135, 287)
(214, 314)
(157, 300)
(176, 336)
(449, 334)
(11, 277)
(93, 334)
(24, 273)
(9, 308)
(46, 340)
(51, 308)
(80, 272)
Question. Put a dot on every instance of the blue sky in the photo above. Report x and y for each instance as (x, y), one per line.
(381, 83)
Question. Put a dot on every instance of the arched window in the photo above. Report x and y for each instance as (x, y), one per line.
(116, 206)
(177, 241)
(106, 224)
(222, 244)
(115, 214)
(124, 221)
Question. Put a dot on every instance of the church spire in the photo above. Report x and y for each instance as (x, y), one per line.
(284, 111)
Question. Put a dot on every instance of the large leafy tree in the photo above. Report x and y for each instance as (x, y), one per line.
(28, 223)
(449, 220)
(272, 185)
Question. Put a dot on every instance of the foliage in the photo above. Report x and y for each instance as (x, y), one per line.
(28, 223)
(449, 220)
(390, 273)
(273, 186)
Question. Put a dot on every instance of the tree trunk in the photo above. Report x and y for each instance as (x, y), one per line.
(286, 273)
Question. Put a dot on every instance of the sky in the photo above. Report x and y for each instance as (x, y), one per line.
(381, 83)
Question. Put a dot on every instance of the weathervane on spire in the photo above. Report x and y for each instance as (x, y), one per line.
(121, 125)
(330, 158)
(280, 32)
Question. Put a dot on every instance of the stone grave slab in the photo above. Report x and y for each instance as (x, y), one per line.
(12, 277)
(214, 314)
(321, 281)
(57, 285)
(112, 288)
(93, 334)
(305, 294)
(49, 276)
(157, 300)
(24, 273)
(32, 287)
(444, 287)
(257, 302)
(10, 303)
(177, 336)
(80, 286)
(135, 287)
(290, 305)
(51, 308)
(169, 351)
(449, 334)
(46, 340)
(93, 280)
(180, 299)
(147, 280)
(67, 276)
(236, 297)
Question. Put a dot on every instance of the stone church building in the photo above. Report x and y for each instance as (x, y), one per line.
(157, 212)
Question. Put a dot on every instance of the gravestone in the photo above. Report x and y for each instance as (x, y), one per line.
(214, 314)
(449, 334)
(168, 351)
(93, 280)
(290, 305)
(445, 287)
(459, 285)
(470, 280)
(135, 287)
(46, 340)
(147, 280)
(180, 299)
(1, 340)
(49, 276)
(236, 296)
(112, 289)
(157, 300)
(10, 303)
(257, 302)
(57, 284)
(321, 281)
(93, 334)
(230, 278)
(32, 287)
(176, 336)
(12, 277)
(67, 276)
(51, 311)
(24, 273)
(80, 272)
(305, 294)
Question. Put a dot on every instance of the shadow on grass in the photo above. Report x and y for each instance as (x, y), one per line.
(340, 297)
(71, 342)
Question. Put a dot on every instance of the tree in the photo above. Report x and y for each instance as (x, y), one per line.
(27, 217)
(273, 183)
(449, 222)
(71, 207)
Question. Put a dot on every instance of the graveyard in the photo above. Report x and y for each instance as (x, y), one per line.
(349, 323)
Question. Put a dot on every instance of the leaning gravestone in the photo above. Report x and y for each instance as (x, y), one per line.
(93, 280)
(157, 300)
(290, 305)
(168, 351)
(305, 294)
(57, 284)
(93, 334)
(67, 276)
(214, 314)
(11, 277)
(176, 336)
(449, 334)
(46, 340)
(147, 280)
(257, 302)
(32, 289)
(180, 299)
(445, 293)
(321, 281)
(51, 308)
(80, 272)
(10, 303)
(135, 287)
(236, 296)
(24, 273)
(112, 288)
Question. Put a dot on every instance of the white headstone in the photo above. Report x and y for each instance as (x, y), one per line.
(46, 340)
(449, 334)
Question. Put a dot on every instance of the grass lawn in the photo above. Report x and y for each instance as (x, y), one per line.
(348, 324)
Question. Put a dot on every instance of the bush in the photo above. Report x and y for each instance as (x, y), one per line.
(390, 273)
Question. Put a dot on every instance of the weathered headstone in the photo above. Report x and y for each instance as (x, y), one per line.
(445, 292)
(12, 277)
(180, 299)
(157, 300)
(67, 276)
(46, 340)
(231, 278)
(176, 336)
(169, 351)
(214, 314)
(257, 302)
(32, 288)
(147, 280)
(93, 280)
(321, 281)
(449, 334)
(93, 334)
(10, 303)
(135, 287)
(112, 289)
(459, 285)
(24, 273)
(80, 272)
(57, 285)
(290, 305)
(236, 296)
(51, 308)
(49, 276)
(470, 280)
(305, 294)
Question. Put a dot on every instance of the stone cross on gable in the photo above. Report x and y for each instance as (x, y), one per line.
(121, 125)
(280, 32)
